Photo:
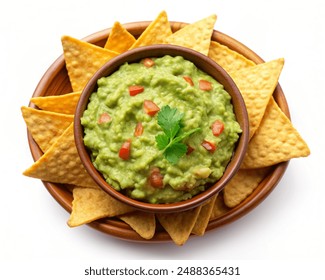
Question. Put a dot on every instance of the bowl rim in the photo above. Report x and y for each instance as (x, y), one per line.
(205, 64)
(117, 228)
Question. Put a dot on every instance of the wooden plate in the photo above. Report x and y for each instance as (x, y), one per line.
(56, 81)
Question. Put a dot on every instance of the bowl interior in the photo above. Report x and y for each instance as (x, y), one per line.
(203, 63)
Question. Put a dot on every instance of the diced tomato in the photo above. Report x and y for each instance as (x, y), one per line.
(150, 107)
(135, 89)
(104, 118)
(217, 127)
(189, 150)
(189, 80)
(148, 62)
(138, 129)
(125, 150)
(156, 178)
(205, 85)
(209, 146)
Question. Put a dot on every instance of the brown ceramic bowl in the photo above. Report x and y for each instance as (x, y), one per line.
(55, 81)
(205, 64)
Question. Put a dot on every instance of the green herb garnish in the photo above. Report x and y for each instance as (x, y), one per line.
(169, 119)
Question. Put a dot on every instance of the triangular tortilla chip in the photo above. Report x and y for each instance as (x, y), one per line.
(65, 103)
(61, 163)
(143, 223)
(219, 208)
(45, 127)
(204, 217)
(179, 225)
(119, 40)
(242, 185)
(228, 59)
(275, 141)
(257, 85)
(83, 60)
(155, 33)
(196, 36)
(91, 204)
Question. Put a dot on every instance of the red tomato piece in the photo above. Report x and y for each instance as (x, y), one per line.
(189, 80)
(217, 127)
(205, 85)
(135, 89)
(189, 150)
(104, 118)
(148, 62)
(150, 107)
(209, 146)
(125, 150)
(138, 129)
(156, 178)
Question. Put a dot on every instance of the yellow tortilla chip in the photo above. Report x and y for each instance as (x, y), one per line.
(275, 141)
(83, 60)
(119, 40)
(65, 103)
(61, 163)
(242, 185)
(219, 208)
(228, 59)
(143, 223)
(179, 225)
(196, 36)
(257, 85)
(45, 127)
(204, 217)
(91, 204)
(155, 33)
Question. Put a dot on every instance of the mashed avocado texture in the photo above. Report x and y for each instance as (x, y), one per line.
(123, 124)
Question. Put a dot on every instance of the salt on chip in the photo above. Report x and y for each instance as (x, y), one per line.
(119, 40)
(179, 225)
(257, 85)
(91, 204)
(155, 33)
(65, 103)
(219, 208)
(204, 217)
(196, 36)
(275, 141)
(228, 59)
(45, 127)
(141, 222)
(61, 163)
(242, 185)
(83, 60)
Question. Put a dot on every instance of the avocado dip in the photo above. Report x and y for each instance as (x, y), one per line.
(160, 130)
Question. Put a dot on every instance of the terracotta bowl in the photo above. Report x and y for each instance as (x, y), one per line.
(205, 64)
(55, 81)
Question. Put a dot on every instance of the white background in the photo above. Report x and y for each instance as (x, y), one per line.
(285, 234)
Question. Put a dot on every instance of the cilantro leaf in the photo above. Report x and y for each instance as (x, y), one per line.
(169, 119)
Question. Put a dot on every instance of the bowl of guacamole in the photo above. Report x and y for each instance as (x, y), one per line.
(162, 128)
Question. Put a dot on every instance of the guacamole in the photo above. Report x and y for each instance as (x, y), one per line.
(127, 113)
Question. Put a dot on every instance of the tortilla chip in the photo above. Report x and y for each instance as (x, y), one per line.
(228, 59)
(155, 33)
(83, 60)
(219, 208)
(45, 127)
(61, 163)
(65, 103)
(204, 217)
(119, 40)
(196, 36)
(257, 85)
(275, 141)
(179, 225)
(242, 185)
(143, 223)
(91, 204)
